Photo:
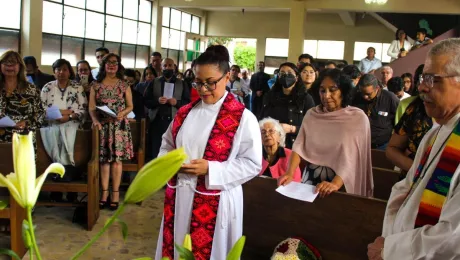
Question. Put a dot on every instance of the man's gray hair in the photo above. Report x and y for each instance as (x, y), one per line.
(386, 67)
(451, 48)
(277, 126)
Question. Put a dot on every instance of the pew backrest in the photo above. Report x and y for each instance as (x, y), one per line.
(384, 180)
(380, 160)
(340, 225)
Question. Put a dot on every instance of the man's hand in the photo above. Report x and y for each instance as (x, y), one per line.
(162, 100)
(195, 167)
(21, 125)
(374, 250)
(172, 101)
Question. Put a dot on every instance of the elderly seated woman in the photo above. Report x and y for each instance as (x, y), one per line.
(59, 135)
(334, 140)
(276, 156)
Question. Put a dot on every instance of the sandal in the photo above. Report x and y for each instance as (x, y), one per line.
(103, 203)
(114, 205)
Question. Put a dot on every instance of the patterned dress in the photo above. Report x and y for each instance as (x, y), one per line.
(115, 142)
(22, 104)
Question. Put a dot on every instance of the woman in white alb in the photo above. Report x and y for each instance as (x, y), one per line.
(223, 144)
(400, 46)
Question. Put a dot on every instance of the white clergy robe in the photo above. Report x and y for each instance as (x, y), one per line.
(243, 164)
(402, 241)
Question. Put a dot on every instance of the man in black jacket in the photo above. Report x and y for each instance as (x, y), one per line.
(259, 87)
(39, 78)
(163, 97)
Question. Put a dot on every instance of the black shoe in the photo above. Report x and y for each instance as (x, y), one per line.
(103, 203)
(114, 205)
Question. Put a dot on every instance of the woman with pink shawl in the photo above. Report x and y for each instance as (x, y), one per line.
(335, 141)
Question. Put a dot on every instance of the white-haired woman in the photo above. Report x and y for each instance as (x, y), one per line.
(275, 155)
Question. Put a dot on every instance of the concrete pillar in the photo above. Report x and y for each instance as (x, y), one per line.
(31, 29)
(157, 21)
(260, 49)
(297, 22)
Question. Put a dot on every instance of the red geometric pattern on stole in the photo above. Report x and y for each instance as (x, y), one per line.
(204, 212)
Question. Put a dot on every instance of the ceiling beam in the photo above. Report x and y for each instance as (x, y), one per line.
(348, 18)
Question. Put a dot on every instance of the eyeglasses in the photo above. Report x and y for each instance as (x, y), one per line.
(112, 63)
(208, 85)
(10, 62)
(270, 132)
(430, 79)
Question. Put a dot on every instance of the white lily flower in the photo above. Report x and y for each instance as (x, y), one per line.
(23, 184)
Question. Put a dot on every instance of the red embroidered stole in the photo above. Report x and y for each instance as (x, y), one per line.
(204, 211)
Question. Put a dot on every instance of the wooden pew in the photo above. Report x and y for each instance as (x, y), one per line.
(383, 182)
(138, 137)
(14, 213)
(86, 156)
(380, 160)
(340, 225)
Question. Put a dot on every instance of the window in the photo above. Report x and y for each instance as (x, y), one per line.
(380, 50)
(276, 47)
(73, 29)
(328, 50)
(173, 34)
(10, 25)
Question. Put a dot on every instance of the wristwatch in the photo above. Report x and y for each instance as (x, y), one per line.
(70, 117)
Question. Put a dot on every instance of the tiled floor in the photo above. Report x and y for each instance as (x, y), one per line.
(59, 238)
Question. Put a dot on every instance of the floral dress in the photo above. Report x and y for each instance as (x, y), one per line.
(115, 142)
(314, 175)
(22, 104)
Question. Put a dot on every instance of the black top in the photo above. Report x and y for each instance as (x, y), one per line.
(40, 79)
(381, 112)
(288, 109)
(165, 110)
(259, 81)
(279, 154)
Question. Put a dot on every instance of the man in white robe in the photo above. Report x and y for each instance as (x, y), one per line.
(401, 237)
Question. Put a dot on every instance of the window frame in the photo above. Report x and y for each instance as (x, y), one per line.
(17, 30)
(169, 51)
(104, 41)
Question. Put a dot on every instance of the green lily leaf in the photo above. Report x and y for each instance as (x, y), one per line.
(149, 258)
(237, 249)
(4, 251)
(26, 235)
(184, 253)
(154, 175)
(124, 228)
(3, 205)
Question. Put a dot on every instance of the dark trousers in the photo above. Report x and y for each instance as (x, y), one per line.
(156, 130)
(257, 104)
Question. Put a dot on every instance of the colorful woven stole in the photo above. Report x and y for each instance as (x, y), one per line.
(204, 211)
(436, 190)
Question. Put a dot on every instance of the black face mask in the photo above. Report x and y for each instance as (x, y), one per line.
(168, 73)
(287, 80)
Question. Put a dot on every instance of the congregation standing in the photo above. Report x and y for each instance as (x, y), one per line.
(287, 127)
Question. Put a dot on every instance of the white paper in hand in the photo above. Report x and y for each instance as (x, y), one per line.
(7, 122)
(298, 191)
(131, 115)
(53, 113)
(169, 90)
(107, 110)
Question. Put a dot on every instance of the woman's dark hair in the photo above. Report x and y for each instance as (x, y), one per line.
(352, 71)
(397, 33)
(215, 55)
(236, 67)
(304, 65)
(416, 81)
(395, 84)
(407, 75)
(368, 80)
(189, 74)
(342, 81)
(60, 62)
(299, 88)
(120, 72)
(90, 76)
(144, 74)
(130, 73)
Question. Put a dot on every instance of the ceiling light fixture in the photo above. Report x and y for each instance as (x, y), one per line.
(379, 2)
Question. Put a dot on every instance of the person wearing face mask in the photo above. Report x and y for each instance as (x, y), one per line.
(163, 97)
(334, 140)
(287, 101)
